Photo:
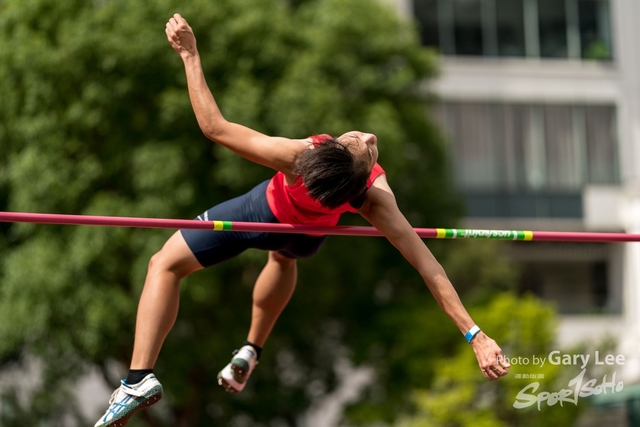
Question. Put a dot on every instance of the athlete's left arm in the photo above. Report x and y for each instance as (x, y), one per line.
(381, 210)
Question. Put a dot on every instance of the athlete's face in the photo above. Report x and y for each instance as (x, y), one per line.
(363, 144)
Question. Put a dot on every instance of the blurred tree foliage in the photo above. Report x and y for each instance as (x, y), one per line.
(96, 119)
(461, 397)
(417, 334)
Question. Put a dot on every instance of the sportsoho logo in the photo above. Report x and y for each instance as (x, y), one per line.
(577, 387)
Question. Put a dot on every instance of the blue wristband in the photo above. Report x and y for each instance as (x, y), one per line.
(472, 333)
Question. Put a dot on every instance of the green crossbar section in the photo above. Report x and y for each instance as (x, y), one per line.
(462, 233)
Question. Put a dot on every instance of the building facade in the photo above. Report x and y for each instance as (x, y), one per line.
(540, 104)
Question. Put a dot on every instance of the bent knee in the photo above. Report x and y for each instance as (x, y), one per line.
(158, 263)
(166, 261)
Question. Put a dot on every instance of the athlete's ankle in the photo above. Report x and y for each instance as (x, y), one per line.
(257, 348)
(136, 375)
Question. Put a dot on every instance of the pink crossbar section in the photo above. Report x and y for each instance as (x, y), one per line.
(113, 221)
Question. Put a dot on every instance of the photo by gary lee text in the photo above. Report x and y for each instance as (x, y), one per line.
(558, 358)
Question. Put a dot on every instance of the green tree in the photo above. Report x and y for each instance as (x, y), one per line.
(461, 397)
(96, 119)
(412, 334)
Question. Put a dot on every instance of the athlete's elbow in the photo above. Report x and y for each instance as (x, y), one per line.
(213, 130)
(209, 133)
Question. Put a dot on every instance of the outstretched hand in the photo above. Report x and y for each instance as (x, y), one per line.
(490, 357)
(180, 36)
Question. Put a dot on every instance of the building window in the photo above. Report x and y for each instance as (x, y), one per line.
(431, 24)
(552, 24)
(468, 27)
(579, 279)
(510, 28)
(575, 287)
(595, 29)
(529, 160)
(572, 29)
(601, 145)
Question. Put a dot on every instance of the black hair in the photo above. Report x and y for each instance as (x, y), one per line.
(332, 174)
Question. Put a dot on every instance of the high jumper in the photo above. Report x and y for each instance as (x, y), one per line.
(316, 180)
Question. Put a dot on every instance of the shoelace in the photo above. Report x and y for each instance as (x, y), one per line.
(113, 396)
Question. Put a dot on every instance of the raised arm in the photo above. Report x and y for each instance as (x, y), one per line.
(274, 152)
(381, 210)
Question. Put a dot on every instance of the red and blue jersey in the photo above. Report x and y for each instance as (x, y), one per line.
(292, 204)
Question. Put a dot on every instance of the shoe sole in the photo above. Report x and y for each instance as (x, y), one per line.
(144, 405)
(239, 371)
(228, 387)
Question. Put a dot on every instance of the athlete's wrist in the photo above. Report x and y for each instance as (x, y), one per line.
(190, 57)
(479, 339)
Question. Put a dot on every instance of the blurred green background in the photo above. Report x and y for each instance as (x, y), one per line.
(95, 119)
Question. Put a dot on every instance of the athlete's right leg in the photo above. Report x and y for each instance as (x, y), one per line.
(271, 293)
(157, 312)
(276, 283)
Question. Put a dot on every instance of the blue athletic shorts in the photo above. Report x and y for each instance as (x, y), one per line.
(213, 247)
